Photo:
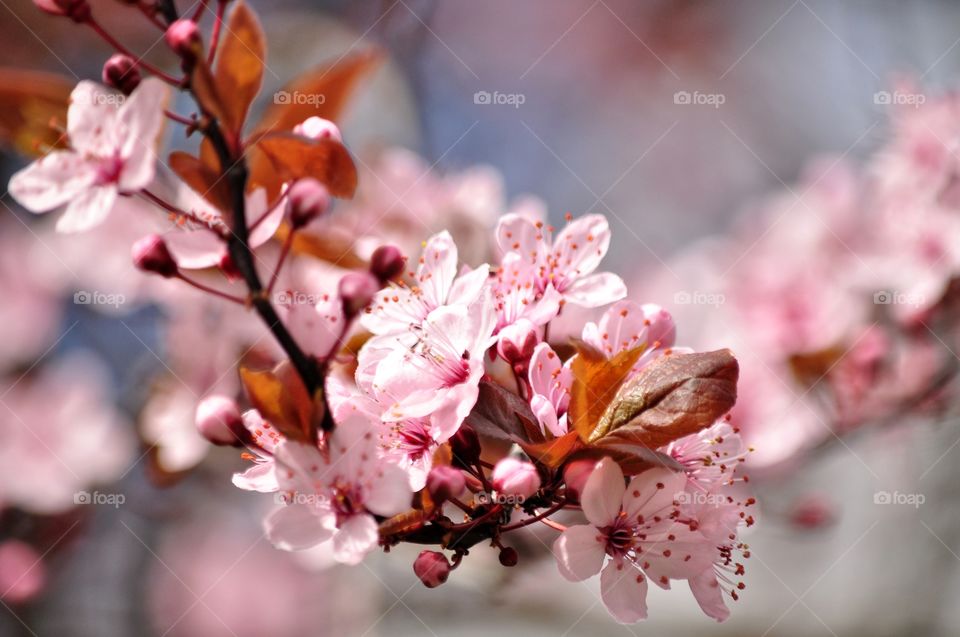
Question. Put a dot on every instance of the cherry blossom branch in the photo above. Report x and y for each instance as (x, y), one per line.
(537, 518)
(209, 290)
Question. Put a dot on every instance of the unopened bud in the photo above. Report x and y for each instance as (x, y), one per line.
(307, 199)
(432, 567)
(515, 477)
(575, 475)
(228, 267)
(517, 341)
(183, 36)
(318, 128)
(508, 556)
(357, 290)
(150, 254)
(445, 482)
(219, 420)
(121, 72)
(387, 262)
(465, 447)
(23, 572)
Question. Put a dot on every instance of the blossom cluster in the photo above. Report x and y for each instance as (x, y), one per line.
(384, 397)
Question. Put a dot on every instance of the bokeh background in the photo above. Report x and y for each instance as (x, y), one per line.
(593, 126)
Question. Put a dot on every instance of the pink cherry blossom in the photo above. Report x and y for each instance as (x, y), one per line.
(638, 531)
(550, 382)
(627, 325)
(568, 261)
(334, 492)
(436, 283)
(111, 154)
(262, 476)
(433, 368)
(315, 321)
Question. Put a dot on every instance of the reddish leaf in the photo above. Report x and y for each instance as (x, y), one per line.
(282, 399)
(633, 459)
(674, 396)
(502, 415)
(204, 179)
(324, 247)
(553, 453)
(335, 82)
(240, 62)
(30, 102)
(595, 384)
(294, 156)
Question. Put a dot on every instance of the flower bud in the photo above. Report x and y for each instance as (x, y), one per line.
(387, 262)
(183, 36)
(575, 475)
(229, 268)
(432, 568)
(150, 254)
(307, 199)
(219, 420)
(318, 128)
(121, 72)
(356, 290)
(508, 556)
(465, 447)
(515, 477)
(23, 573)
(445, 482)
(517, 341)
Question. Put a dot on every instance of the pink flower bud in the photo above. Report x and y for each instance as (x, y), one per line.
(515, 477)
(307, 199)
(445, 482)
(387, 262)
(228, 267)
(49, 6)
(508, 556)
(432, 568)
(517, 341)
(575, 475)
(318, 128)
(219, 420)
(23, 574)
(150, 254)
(121, 72)
(183, 36)
(465, 447)
(356, 290)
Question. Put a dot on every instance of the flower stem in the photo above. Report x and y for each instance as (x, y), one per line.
(112, 41)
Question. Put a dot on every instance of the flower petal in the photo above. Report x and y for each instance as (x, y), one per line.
(624, 592)
(596, 290)
(706, 589)
(603, 493)
(88, 209)
(356, 537)
(579, 552)
(52, 181)
(296, 527)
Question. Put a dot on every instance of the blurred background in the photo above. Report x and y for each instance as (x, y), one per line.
(669, 117)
